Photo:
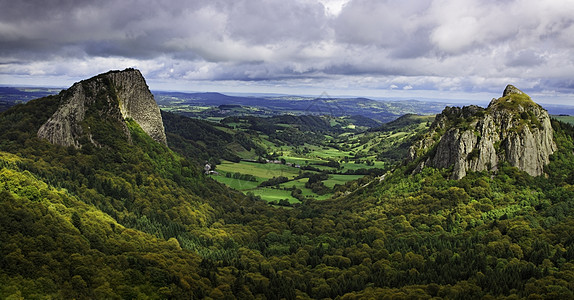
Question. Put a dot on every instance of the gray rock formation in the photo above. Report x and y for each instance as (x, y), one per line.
(513, 129)
(137, 102)
(112, 97)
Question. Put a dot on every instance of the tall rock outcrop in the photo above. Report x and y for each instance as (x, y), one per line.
(513, 129)
(111, 97)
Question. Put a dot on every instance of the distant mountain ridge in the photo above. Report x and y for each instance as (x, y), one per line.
(380, 111)
(512, 129)
(114, 96)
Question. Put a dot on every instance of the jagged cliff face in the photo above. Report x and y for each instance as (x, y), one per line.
(111, 97)
(513, 129)
(137, 102)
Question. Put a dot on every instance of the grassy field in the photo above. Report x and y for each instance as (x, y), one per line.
(300, 160)
(311, 142)
(340, 179)
(565, 119)
(298, 183)
(266, 171)
(351, 165)
(261, 171)
(225, 129)
(346, 149)
(272, 194)
(240, 185)
(326, 153)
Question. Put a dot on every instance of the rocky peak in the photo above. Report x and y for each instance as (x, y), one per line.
(137, 102)
(510, 89)
(108, 98)
(513, 129)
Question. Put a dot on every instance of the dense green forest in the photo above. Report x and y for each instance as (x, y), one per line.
(138, 220)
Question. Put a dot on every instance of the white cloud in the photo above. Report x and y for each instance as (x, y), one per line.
(334, 7)
(444, 45)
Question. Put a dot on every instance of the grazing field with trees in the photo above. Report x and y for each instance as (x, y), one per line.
(293, 147)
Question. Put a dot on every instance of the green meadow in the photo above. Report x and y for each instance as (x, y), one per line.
(238, 184)
(273, 194)
(263, 172)
(314, 149)
(566, 119)
(335, 179)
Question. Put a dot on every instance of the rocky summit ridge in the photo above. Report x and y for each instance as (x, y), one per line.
(112, 97)
(512, 129)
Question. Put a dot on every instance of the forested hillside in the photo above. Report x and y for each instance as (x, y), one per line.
(133, 219)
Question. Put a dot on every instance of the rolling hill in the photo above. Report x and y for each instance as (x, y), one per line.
(121, 215)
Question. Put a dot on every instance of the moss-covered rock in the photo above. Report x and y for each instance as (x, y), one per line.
(103, 103)
(512, 129)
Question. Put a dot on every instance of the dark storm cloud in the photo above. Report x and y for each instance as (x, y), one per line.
(105, 28)
(416, 44)
(142, 29)
(26, 11)
(565, 85)
(525, 58)
(381, 23)
(264, 22)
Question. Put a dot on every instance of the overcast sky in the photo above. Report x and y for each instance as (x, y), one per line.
(434, 49)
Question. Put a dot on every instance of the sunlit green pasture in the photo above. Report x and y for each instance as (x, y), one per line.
(214, 119)
(292, 158)
(238, 184)
(272, 194)
(327, 152)
(225, 129)
(265, 171)
(351, 165)
(565, 119)
(298, 183)
(340, 179)
(317, 156)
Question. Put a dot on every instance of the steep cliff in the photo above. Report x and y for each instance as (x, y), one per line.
(112, 98)
(513, 129)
